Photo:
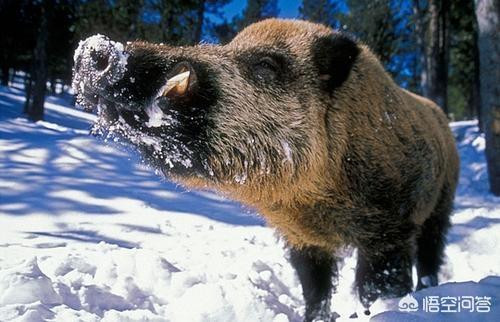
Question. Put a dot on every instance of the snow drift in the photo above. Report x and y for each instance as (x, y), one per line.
(88, 235)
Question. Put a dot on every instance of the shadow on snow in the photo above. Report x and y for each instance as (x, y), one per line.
(55, 172)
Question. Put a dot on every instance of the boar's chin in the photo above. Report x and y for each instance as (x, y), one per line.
(161, 139)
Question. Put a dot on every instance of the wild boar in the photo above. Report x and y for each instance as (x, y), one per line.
(302, 123)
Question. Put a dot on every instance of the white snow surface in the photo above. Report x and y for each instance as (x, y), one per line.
(88, 233)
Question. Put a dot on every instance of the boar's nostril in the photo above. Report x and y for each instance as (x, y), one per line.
(99, 64)
(100, 58)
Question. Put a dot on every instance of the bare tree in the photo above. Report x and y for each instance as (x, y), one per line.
(438, 52)
(475, 97)
(420, 18)
(198, 26)
(488, 15)
(35, 95)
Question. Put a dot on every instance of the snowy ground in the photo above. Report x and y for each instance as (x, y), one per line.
(89, 234)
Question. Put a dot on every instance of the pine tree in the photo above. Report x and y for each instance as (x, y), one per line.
(488, 16)
(16, 44)
(94, 17)
(438, 52)
(420, 21)
(126, 15)
(34, 107)
(321, 11)
(9, 15)
(377, 27)
(463, 82)
(255, 10)
(204, 9)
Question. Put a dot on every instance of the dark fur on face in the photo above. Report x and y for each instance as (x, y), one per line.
(210, 130)
(304, 124)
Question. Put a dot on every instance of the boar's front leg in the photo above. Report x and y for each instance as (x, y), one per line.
(383, 274)
(316, 268)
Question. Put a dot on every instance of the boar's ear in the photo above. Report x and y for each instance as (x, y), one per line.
(334, 56)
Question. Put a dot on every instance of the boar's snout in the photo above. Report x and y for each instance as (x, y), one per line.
(99, 63)
(129, 77)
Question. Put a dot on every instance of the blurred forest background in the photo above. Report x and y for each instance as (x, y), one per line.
(447, 50)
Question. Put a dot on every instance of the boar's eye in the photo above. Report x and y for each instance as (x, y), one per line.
(266, 69)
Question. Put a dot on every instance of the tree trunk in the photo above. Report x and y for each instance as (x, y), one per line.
(420, 31)
(13, 76)
(28, 84)
(5, 75)
(476, 85)
(53, 84)
(438, 52)
(35, 108)
(199, 22)
(488, 14)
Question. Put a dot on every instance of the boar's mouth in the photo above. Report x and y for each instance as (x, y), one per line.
(165, 123)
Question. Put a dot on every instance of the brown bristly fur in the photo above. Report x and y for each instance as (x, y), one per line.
(304, 124)
(369, 118)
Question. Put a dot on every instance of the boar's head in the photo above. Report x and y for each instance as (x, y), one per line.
(248, 113)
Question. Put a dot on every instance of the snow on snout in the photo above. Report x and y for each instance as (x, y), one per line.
(87, 71)
(155, 115)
